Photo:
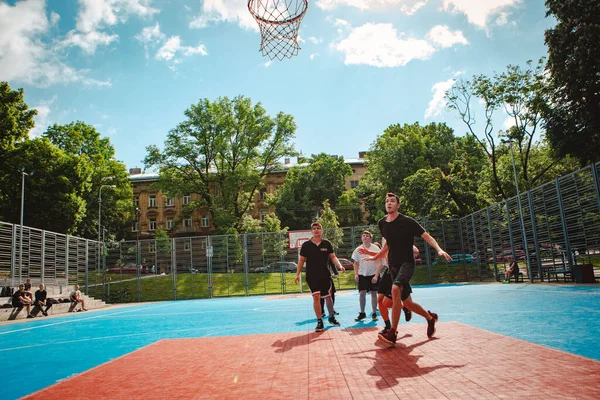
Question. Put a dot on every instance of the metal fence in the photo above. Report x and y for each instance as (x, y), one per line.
(555, 225)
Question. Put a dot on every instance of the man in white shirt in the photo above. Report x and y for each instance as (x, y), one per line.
(366, 273)
(77, 298)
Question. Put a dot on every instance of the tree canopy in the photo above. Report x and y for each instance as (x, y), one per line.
(298, 201)
(573, 121)
(222, 151)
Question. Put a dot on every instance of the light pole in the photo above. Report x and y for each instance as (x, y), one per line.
(512, 156)
(23, 173)
(100, 213)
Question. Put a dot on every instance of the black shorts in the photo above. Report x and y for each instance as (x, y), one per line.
(365, 283)
(402, 274)
(385, 287)
(320, 284)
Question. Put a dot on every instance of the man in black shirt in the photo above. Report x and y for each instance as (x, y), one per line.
(316, 252)
(40, 300)
(399, 232)
(20, 300)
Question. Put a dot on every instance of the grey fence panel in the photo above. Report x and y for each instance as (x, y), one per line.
(7, 262)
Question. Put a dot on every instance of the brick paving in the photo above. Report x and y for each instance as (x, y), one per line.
(462, 362)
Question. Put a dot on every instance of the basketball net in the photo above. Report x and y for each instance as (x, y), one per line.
(279, 22)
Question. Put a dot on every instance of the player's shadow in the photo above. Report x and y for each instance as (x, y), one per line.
(306, 322)
(360, 328)
(281, 346)
(392, 364)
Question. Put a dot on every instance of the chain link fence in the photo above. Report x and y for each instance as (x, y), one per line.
(553, 227)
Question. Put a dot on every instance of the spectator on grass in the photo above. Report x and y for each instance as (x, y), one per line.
(40, 300)
(513, 270)
(20, 300)
(77, 298)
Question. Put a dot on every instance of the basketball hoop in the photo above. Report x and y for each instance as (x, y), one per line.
(279, 22)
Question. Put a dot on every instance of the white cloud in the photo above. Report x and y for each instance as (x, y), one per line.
(25, 55)
(441, 36)
(408, 7)
(173, 47)
(438, 102)
(478, 11)
(508, 123)
(380, 45)
(96, 15)
(502, 19)
(268, 63)
(150, 37)
(315, 40)
(313, 55)
(215, 11)
(41, 119)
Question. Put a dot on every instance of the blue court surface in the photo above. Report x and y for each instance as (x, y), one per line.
(41, 352)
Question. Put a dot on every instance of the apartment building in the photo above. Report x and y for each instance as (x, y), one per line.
(156, 210)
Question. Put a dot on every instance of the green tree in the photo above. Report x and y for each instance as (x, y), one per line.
(222, 151)
(16, 119)
(298, 200)
(54, 188)
(573, 121)
(349, 209)
(275, 241)
(163, 243)
(85, 142)
(331, 226)
(521, 94)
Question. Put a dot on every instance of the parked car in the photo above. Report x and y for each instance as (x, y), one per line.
(461, 259)
(346, 263)
(279, 266)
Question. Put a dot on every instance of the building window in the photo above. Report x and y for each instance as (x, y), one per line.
(152, 247)
(263, 214)
(187, 222)
(187, 199)
(170, 224)
(152, 224)
(187, 246)
(205, 221)
(353, 184)
(152, 201)
(263, 194)
(136, 202)
(135, 227)
(170, 202)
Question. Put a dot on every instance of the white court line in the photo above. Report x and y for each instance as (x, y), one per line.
(74, 320)
(126, 335)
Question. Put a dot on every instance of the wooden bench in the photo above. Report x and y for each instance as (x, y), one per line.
(517, 278)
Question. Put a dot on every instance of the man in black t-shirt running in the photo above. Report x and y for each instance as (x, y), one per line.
(316, 253)
(399, 232)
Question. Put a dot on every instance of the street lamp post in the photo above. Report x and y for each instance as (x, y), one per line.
(23, 173)
(100, 215)
(522, 222)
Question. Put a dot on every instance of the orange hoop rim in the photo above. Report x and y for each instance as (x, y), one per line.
(284, 22)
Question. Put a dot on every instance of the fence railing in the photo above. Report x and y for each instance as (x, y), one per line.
(553, 224)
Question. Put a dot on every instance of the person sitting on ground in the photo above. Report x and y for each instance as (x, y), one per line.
(20, 300)
(513, 270)
(77, 298)
(40, 300)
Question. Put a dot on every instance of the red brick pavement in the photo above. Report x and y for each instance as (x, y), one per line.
(461, 363)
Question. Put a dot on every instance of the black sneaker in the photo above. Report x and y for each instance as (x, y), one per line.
(389, 337)
(333, 321)
(320, 326)
(335, 312)
(407, 314)
(374, 316)
(384, 331)
(323, 315)
(30, 316)
(361, 316)
(431, 324)
(45, 313)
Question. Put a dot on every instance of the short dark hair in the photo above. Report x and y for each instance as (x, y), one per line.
(316, 224)
(365, 232)
(390, 194)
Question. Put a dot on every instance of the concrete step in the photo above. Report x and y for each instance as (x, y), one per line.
(9, 314)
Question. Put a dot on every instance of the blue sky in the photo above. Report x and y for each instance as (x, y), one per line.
(132, 67)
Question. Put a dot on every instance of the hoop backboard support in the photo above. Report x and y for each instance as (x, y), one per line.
(296, 238)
